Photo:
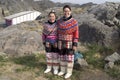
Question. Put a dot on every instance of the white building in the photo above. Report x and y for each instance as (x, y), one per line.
(21, 17)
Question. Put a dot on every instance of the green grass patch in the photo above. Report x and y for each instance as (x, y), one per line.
(23, 69)
(31, 61)
(3, 58)
(95, 55)
(53, 77)
(114, 73)
(76, 75)
(36, 63)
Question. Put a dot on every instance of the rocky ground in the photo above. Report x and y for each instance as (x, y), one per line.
(98, 24)
(94, 28)
(24, 38)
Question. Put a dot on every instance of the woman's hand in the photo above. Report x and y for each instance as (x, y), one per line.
(74, 48)
(47, 44)
(44, 43)
(55, 45)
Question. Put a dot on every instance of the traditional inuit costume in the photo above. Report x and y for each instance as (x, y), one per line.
(67, 38)
(50, 41)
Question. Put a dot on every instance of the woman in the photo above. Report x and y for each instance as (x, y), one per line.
(50, 42)
(67, 41)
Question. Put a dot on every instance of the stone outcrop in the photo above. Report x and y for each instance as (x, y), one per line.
(24, 38)
(101, 24)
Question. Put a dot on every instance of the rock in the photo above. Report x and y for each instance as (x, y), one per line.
(15, 6)
(24, 38)
(105, 11)
(5, 78)
(109, 23)
(109, 65)
(5, 11)
(1, 14)
(80, 63)
(100, 25)
(93, 31)
(112, 58)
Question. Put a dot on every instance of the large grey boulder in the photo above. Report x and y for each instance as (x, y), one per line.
(111, 59)
(5, 78)
(100, 24)
(15, 6)
(24, 38)
(108, 13)
(105, 11)
(80, 63)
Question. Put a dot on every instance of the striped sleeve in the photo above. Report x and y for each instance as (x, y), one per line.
(76, 35)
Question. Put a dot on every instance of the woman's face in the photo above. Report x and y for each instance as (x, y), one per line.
(67, 12)
(52, 17)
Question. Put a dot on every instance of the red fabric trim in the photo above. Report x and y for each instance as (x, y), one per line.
(56, 64)
(48, 63)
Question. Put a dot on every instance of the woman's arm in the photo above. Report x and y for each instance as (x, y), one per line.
(75, 36)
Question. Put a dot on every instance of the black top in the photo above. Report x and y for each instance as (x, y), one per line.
(65, 19)
(51, 22)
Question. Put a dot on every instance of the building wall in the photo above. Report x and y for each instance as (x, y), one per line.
(22, 18)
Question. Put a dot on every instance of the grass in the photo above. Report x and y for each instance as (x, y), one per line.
(3, 59)
(96, 54)
(35, 64)
(95, 57)
(114, 72)
(30, 65)
(76, 75)
(29, 61)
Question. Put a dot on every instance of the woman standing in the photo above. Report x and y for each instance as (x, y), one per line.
(50, 42)
(67, 41)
